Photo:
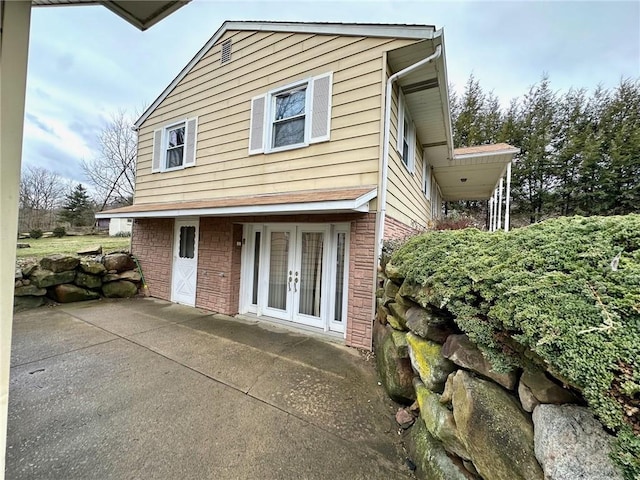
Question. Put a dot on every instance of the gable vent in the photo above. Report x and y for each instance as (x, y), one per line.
(226, 51)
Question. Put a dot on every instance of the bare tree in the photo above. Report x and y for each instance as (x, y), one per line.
(41, 192)
(113, 172)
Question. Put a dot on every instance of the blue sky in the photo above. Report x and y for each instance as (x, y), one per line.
(85, 63)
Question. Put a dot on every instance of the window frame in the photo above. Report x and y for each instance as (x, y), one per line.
(165, 145)
(271, 112)
(406, 136)
(161, 144)
(427, 176)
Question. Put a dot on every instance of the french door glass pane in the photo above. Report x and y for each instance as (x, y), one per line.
(340, 276)
(311, 273)
(278, 264)
(256, 268)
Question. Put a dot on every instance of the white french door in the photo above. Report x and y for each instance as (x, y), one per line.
(296, 273)
(276, 296)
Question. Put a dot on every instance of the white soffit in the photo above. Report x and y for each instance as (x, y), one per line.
(141, 14)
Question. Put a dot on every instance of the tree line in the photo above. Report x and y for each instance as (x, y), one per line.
(580, 151)
(47, 200)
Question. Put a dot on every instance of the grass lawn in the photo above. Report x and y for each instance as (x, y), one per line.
(71, 245)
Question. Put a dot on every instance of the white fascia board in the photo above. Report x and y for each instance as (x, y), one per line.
(465, 156)
(415, 32)
(363, 200)
(358, 205)
(443, 82)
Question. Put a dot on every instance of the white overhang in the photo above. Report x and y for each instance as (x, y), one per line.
(354, 200)
(141, 14)
(464, 173)
(474, 172)
(426, 93)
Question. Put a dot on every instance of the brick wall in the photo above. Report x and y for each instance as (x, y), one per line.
(395, 229)
(218, 265)
(152, 244)
(362, 265)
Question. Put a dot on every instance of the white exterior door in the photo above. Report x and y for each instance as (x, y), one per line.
(279, 246)
(185, 262)
(309, 283)
(296, 273)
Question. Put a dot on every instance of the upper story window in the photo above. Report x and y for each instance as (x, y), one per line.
(293, 116)
(174, 154)
(289, 112)
(174, 146)
(406, 140)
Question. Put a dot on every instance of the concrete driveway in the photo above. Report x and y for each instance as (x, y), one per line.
(146, 389)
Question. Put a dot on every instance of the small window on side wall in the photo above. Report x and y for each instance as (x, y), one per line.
(426, 178)
(406, 139)
(174, 146)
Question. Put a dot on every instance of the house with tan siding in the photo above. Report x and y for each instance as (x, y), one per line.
(277, 161)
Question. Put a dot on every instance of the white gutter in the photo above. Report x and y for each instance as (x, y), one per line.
(385, 150)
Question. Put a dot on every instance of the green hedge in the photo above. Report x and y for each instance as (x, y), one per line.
(564, 293)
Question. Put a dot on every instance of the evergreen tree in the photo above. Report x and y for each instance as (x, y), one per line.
(533, 179)
(77, 208)
(620, 124)
(468, 124)
(569, 146)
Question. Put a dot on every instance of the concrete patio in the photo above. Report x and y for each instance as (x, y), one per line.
(147, 389)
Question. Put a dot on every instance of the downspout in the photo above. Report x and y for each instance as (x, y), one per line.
(385, 148)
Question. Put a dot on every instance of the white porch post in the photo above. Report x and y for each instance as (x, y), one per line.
(495, 210)
(491, 214)
(500, 188)
(14, 44)
(508, 200)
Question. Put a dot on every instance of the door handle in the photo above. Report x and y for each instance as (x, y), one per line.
(289, 283)
(295, 284)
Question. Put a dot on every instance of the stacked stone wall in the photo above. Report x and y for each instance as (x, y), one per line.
(464, 419)
(65, 279)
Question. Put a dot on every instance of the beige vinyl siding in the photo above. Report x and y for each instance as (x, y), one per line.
(405, 200)
(220, 96)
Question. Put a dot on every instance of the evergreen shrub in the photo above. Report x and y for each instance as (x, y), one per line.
(564, 294)
(59, 232)
(35, 233)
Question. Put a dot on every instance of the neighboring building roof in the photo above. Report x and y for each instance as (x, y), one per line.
(141, 14)
(316, 201)
(416, 32)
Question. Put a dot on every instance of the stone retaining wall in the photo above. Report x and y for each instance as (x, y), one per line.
(467, 421)
(64, 279)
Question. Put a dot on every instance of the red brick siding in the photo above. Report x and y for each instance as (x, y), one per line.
(218, 274)
(395, 229)
(152, 244)
(362, 264)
